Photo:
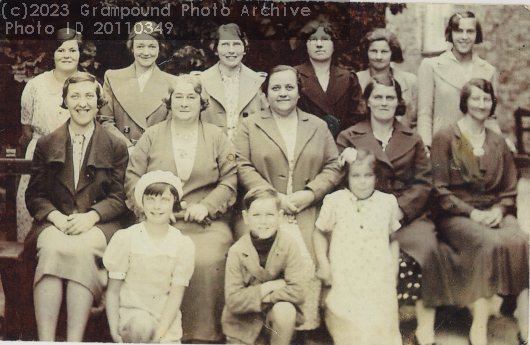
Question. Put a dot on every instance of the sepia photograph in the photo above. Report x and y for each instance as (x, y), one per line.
(264, 172)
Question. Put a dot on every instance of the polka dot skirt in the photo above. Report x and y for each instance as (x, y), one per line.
(409, 282)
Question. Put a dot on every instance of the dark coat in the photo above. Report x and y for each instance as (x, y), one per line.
(100, 185)
(405, 171)
(405, 168)
(343, 98)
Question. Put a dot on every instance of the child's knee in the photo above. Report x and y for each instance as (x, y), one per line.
(283, 314)
(139, 329)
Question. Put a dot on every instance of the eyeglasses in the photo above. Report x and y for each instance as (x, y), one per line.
(323, 40)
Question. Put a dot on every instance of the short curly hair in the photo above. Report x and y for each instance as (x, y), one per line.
(197, 86)
(380, 34)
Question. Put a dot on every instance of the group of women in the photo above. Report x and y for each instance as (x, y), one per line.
(229, 129)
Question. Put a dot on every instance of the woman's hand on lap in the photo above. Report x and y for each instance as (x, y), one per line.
(302, 199)
(493, 217)
(59, 220)
(287, 205)
(196, 213)
(82, 222)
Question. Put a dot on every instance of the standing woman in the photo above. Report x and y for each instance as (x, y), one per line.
(234, 89)
(294, 153)
(379, 48)
(476, 183)
(202, 157)
(441, 78)
(404, 171)
(41, 111)
(135, 93)
(328, 90)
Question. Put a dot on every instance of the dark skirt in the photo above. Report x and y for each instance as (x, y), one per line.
(484, 261)
(418, 239)
(203, 300)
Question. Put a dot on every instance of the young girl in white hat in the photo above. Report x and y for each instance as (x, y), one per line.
(150, 265)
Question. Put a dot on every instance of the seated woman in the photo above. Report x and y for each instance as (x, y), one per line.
(76, 197)
(404, 171)
(476, 179)
(40, 109)
(134, 94)
(328, 90)
(294, 153)
(201, 155)
(379, 48)
(234, 89)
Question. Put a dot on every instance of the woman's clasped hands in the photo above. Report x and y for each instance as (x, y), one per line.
(296, 202)
(74, 224)
(491, 217)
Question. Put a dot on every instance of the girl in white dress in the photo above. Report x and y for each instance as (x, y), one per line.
(362, 306)
(41, 111)
(150, 265)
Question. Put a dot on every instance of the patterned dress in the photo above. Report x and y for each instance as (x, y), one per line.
(363, 288)
(41, 109)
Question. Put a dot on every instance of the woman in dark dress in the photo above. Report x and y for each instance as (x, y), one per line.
(328, 91)
(405, 171)
(476, 183)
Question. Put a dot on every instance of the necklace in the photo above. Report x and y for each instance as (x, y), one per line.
(190, 135)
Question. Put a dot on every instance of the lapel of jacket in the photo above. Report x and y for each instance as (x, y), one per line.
(201, 157)
(364, 78)
(61, 153)
(338, 82)
(401, 79)
(402, 141)
(97, 156)
(447, 67)
(139, 105)
(312, 89)
(249, 84)
(268, 125)
(251, 261)
(306, 130)
(361, 135)
(213, 84)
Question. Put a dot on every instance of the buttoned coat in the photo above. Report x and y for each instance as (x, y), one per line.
(262, 160)
(409, 91)
(440, 83)
(100, 186)
(343, 98)
(130, 112)
(249, 94)
(242, 317)
(404, 170)
(213, 178)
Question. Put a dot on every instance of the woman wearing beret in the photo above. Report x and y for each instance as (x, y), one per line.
(234, 89)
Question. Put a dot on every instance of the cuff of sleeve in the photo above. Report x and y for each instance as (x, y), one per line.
(117, 275)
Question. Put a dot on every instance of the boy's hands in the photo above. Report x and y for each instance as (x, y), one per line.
(268, 287)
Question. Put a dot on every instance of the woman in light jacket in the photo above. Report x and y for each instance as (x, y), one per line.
(441, 78)
(234, 89)
(134, 94)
